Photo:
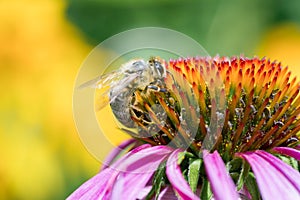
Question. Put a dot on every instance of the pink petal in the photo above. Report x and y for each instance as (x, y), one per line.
(288, 151)
(125, 190)
(272, 183)
(118, 189)
(140, 170)
(221, 183)
(119, 164)
(176, 178)
(245, 193)
(115, 152)
(148, 160)
(144, 192)
(290, 173)
(100, 186)
(167, 193)
(96, 187)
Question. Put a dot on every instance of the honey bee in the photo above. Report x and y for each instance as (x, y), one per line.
(117, 87)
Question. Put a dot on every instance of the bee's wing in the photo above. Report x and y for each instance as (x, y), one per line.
(103, 84)
(103, 80)
(109, 86)
(113, 78)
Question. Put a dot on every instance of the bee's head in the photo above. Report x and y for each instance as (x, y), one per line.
(157, 66)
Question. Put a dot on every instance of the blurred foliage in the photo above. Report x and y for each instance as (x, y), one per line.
(282, 43)
(40, 53)
(228, 27)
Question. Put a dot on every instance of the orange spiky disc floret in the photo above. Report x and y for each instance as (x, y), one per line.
(255, 100)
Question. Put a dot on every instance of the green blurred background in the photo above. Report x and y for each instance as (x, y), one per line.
(42, 45)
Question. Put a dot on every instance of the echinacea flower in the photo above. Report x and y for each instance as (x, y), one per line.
(216, 128)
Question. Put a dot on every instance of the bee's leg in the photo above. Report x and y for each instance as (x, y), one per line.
(156, 88)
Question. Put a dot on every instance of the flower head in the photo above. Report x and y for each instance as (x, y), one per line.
(221, 128)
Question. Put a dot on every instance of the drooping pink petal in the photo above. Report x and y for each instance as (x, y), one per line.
(117, 189)
(244, 193)
(139, 170)
(148, 159)
(221, 183)
(167, 193)
(100, 186)
(96, 187)
(288, 151)
(115, 152)
(144, 192)
(138, 184)
(273, 184)
(290, 173)
(176, 178)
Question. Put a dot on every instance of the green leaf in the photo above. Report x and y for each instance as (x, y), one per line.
(290, 161)
(243, 175)
(181, 157)
(193, 174)
(284, 159)
(294, 163)
(238, 170)
(235, 176)
(252, 187)
(206, 192)
(159, 180)
(234, 165)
